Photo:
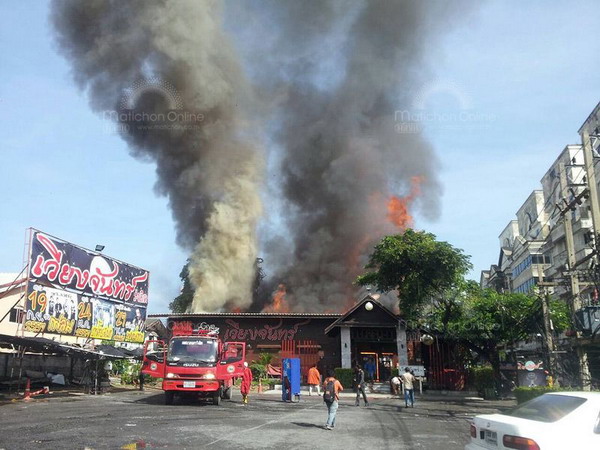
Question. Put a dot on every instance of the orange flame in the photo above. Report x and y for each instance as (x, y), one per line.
(279, 303)
(398, 206)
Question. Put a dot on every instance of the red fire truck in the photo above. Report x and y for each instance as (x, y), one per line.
(196, 362)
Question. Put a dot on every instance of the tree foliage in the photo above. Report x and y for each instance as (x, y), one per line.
(433, 295)
(183, 301)
(483, 319)
(259, 371)
(265, 359)
(259, 366)
(416, 265)
(560, 315)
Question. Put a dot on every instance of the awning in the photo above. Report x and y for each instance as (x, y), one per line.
(50, 346)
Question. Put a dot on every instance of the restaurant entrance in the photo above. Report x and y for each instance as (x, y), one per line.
(377, 361)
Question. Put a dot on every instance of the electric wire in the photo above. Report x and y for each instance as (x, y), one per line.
(11, 284)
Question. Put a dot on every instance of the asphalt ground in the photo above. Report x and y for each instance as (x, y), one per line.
(134, 419)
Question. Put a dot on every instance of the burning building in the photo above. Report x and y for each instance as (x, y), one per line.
(368, 334)
(220, 126)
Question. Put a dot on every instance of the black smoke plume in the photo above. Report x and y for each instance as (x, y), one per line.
(168, 75)
(331, 78)
(346, 150)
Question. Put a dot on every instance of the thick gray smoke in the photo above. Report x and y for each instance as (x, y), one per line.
(332, 73)
(187, 88)
(344, 156)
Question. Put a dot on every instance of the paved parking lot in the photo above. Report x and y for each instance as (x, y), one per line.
(140, 419)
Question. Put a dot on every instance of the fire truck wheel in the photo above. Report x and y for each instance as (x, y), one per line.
(169, 396)
(227, 393)
(217, 397)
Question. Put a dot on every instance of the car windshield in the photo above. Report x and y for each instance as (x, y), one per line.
(547, 408)
(193, 349)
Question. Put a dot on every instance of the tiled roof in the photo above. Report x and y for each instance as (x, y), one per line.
(11, 281)
(247, 314)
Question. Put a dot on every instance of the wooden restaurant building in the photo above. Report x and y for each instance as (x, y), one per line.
(368, 334)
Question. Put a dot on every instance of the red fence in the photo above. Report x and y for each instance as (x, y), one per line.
(306, 350)
(446, 366)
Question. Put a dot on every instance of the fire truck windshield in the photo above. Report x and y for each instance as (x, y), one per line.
(193, 349)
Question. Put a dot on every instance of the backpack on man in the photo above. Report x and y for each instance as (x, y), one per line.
(329, 392)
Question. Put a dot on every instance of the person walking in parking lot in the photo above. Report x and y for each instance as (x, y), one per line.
(408, 379)
(359, 379)
(331, 396)
(314, 379)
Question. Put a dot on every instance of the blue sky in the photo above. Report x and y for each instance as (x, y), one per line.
(528, 70)
(530, 65)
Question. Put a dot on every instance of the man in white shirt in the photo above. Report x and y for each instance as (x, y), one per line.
(408, 380)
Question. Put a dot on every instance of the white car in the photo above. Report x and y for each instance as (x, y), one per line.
(561, 421)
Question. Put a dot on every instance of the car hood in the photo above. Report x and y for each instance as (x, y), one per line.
(548, 435)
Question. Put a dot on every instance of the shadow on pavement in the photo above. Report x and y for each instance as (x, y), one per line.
(159, 399)
(275, 400)
(306, 425)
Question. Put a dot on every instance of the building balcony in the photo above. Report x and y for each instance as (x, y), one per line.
(582, 253)
(557, 233)
(583, 224)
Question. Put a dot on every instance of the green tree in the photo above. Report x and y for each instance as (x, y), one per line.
(418, 266)
(259, 367)
(183, 301)
(482, 320)
(265, 359)
(259, 371)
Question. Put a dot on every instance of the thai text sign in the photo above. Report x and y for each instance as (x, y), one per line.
(417, 371)
(65, 265)
(236, 332)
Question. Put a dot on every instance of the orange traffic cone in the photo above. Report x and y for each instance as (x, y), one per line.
(27, 390)
(44, 390)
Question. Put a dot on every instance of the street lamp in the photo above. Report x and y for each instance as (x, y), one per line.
(99, 247)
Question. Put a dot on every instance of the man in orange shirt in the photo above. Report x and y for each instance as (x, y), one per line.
(314, 379)
(331, 395)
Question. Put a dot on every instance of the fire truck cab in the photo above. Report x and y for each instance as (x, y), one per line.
(195, 363)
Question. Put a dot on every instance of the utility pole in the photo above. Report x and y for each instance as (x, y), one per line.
(548, 331)
(588, 158)
(590, 174)
(575, 301)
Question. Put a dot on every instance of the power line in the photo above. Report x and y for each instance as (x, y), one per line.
(548, 200)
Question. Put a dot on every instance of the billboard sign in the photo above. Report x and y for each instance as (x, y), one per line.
(65, 265)
(50, 310)
(77, 292)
